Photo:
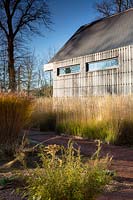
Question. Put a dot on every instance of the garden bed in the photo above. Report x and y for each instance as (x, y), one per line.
(120, 189)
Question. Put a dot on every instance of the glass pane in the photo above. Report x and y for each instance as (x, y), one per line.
(75, 68)
(103, 64)
(69, 70)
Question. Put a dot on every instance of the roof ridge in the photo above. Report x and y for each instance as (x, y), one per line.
(113, 15)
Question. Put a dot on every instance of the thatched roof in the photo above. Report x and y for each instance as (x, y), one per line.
(101, 35)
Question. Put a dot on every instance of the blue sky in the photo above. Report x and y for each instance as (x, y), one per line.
(67, 17)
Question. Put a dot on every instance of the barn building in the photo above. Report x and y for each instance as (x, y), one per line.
(96, 60)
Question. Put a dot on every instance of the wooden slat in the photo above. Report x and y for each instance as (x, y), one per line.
(102, 82)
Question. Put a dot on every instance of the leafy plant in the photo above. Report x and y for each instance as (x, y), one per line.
(5, 180)
(63, 175)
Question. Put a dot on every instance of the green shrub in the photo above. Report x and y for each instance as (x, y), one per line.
(15, 112)
(63, 176)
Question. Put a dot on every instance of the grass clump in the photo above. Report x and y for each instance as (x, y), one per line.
(90, 130)
(108, 118)
(125, 135)
(15, 112)
(43, 116)
(63, 175)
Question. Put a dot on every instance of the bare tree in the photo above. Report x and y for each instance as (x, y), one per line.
(44, 79)
(3, 70)
(18, 18)
(50, 54)
(110, 7)
(27, 74)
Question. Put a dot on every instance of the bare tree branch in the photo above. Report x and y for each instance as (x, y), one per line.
(18, 18)
(109, 7)
(15, 7)
(3, 29)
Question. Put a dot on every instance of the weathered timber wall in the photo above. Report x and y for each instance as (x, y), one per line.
(102, 82)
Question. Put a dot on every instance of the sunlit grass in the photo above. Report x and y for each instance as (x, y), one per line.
(15, 113)
(109, 118)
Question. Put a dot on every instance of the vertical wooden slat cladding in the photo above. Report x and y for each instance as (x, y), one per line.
(131, 67)
(101, 82)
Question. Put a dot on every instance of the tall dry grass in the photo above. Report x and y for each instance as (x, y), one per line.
(108, 118)
(15, 112)
(44, 116)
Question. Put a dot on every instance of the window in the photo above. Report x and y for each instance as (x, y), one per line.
(101, 65)
(48, 75)
(68, 70)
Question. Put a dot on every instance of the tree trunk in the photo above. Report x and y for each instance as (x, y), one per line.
(11, 68)
(19, 79)
(28, 88)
